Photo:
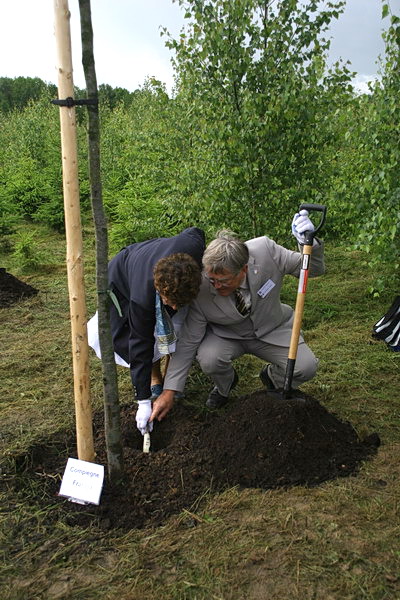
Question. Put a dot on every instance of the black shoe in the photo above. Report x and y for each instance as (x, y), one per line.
(266, 379)
(217, 400)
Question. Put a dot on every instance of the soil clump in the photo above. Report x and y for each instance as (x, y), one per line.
(12, 289)
(257, 441)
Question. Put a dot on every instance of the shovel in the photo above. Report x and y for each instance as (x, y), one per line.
(287, 391)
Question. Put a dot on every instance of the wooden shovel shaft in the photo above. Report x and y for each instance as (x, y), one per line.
(300, 300)
(298, 317)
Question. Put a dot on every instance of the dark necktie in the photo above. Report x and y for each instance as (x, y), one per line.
(240, 303)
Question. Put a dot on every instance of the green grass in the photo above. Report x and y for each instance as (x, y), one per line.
(335, 541)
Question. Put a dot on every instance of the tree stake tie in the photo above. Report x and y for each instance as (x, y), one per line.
(70, 102)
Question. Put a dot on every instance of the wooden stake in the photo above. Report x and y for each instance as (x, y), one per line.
(76, 286)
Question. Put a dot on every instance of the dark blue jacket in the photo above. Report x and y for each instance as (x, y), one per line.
(130, 276)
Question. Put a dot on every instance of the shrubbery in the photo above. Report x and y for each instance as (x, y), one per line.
(257, 125)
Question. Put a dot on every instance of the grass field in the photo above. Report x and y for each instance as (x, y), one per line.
(339, 540)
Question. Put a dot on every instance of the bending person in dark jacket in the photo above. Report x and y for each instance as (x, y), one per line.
(152, 282)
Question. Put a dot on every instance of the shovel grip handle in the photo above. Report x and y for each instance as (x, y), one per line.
(316, 208)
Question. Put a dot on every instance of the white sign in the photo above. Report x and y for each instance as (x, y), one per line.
(82, 481)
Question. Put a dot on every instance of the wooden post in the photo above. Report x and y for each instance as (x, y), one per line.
(76, 285)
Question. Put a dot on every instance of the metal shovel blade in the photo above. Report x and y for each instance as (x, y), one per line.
(293, 395)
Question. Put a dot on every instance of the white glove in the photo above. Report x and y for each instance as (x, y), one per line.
(143, 415)
(301, 223)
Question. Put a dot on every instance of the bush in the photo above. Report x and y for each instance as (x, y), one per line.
(26, 253)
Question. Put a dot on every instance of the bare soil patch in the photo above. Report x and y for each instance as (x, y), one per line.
(12, 289)
(258, 441)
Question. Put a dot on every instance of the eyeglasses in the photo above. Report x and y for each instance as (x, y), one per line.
(222, 282)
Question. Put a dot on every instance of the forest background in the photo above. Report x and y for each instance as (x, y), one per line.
(256, 125)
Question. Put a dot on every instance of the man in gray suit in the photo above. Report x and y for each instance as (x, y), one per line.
(222, 325)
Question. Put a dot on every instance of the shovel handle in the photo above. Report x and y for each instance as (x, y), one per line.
(301, 294)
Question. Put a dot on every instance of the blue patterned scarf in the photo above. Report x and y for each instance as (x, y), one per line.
(165, 333)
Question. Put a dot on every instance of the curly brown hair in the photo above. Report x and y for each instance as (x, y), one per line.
(178, 278)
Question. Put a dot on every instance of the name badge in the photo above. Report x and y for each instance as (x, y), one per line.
(266, 288)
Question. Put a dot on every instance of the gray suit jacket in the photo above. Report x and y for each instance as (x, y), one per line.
(269, 319)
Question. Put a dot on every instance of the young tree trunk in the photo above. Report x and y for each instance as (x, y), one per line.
(111, 400)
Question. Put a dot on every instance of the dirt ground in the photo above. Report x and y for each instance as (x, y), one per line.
(12, 289)
(256, 441)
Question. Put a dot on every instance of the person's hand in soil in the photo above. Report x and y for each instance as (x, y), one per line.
(143, 415)
(162, 405)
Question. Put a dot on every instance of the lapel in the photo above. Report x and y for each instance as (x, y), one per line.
(223, 303)
(254, 278)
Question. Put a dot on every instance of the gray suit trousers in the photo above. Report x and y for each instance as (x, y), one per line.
(215, 355)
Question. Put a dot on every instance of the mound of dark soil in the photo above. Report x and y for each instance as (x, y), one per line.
(258, 441)
(12, 289)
